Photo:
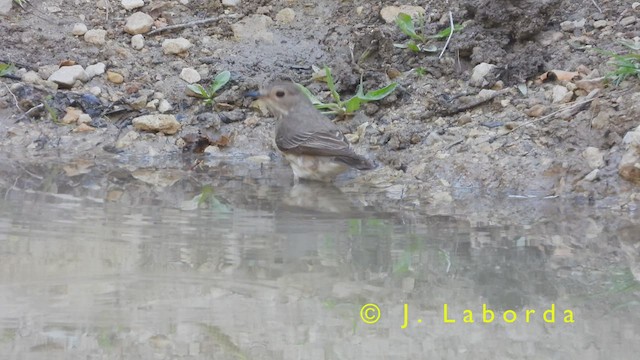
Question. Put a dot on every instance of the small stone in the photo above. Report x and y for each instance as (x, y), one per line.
(635, 5)
(254, 27)
(84, 128)
(132, 4)
(138, 103)
(594, 157)
(626, 21)
(190, 75)
(138, 23)
(567, 26)
(164, 106)
(390, 13)
(285, 16)
(67, 76)
(231, 3)
(599, 24)
(95, 36)
(537, 110)
(166, 124)
(96, 69)
(95, 90)
(31, 77)
(79, 29)
(560, 94)
(590, 84)
(115, 77)
(5, 7)
(71, 116)
(127, 140)
(137, 41)
(153, 104)
(176, 46)
(593, 175)
(479, 74)
(84, 119)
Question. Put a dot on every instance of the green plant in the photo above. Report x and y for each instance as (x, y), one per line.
(53, 113)
(6, 69)
(348, 107)
(625, 65)
(420, 71)
(209, 93)
(420, 42)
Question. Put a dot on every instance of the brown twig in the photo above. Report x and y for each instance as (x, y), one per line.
(474, 103)
(15, 99)
(191, 23)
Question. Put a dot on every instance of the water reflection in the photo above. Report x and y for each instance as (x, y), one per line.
(233, 262)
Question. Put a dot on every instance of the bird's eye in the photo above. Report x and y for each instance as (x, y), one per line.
(280, 93)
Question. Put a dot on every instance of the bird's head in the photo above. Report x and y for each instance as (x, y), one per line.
(280, 97)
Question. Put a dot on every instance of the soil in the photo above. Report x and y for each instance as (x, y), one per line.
(425, 135)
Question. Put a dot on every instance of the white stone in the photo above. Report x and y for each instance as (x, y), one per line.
(138, 23)
(594, 157)
(83, 119)
(79, 29)
(95, 90)
(626, 21)
(479, 73)
(285, 16)
(600, 24)
(66, 76)
(176, 46)
(96, 69)
(5, 6)
(157, 123)
(132, 4)
(231, 2)
(164, 106)
(560, 94)
(31, 77)
(254, 27)
(137, 41)
(190, 75)
(390, 13)
(95, 36)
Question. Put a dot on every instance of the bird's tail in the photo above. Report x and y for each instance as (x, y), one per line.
(357, 161)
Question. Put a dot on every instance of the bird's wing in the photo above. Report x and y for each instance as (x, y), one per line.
(327, 142)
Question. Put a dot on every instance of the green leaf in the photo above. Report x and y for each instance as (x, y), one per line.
(405, 23)
(219, 81)
(352, 104)
(413, 47)
(445, 33)
(331, 85)
(314, 100)
(6, 69)
(199, 90)
(379, 94)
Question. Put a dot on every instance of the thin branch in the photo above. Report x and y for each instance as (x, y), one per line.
(15, 99)
(450, 35)
(191, 23)
(596, 5)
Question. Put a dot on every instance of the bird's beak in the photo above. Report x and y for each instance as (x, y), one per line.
(254, 94)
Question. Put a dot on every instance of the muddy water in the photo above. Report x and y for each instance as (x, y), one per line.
(232, 262)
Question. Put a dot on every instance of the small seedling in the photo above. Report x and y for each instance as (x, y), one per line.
(6, 69)
(209, 93)
(420, 42)
(51, 111)
(420, 71)
(348, 107)
(625, 65)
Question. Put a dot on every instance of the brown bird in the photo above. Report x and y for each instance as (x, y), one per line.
(314, 146)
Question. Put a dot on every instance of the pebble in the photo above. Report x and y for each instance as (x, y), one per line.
(66, 76)
(231, 3)
(132, 4)
(138, 23)
(560, 94)
(628, 20)
(254, 27)
(600, 24)
(635, 5)
(95, 69)
(163, 123)
(164, 106)
(285, 16)
(190, 75)
(176, 46)
(95, 90)
(629, 168)
(84, 128)
(536, 110)
(31, 77)
(83, 119)
(127, 140)
(479, 73)
(390, 13)
(115, 77)
(594, 157)
(137, 41)
(71, 116)
(5, 7)
(139, 102)
(79, 29)
(95, 36)
(153, 104)
(593, 175)
(590, 84)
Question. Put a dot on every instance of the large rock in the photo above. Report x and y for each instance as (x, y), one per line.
(138, 23)
(66, 76)
(254, 27)
(629, 168)
(166, 124)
